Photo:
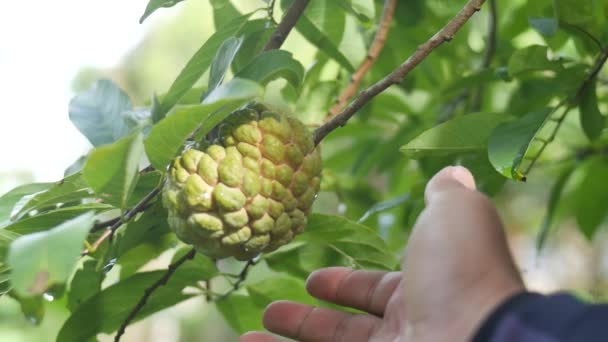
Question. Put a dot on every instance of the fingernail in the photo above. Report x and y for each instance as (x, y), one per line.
(463, 176)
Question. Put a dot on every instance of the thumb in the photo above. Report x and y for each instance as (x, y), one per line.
(450, 179)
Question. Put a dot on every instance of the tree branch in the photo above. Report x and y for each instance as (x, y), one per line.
(595, 70)
(286, 25)
(241, 278)
(372, 56)
(160, 282)
(116, 222)
(444, 35)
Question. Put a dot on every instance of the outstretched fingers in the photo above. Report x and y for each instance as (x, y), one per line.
(369, 291)
(307, 323)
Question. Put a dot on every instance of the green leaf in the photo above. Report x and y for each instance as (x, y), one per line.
(318, 21)
(270, 65)
(300, 258)
(222, 60)
(85, 284)
(99, 112)
(153, 5)
(510, 141)
(384, 205)
(279, 287)
(43, 259)
(465, 133)
(112, 170)
(223, 12)
(150, 225)
(52, 218)
(241, 313)
(11, 198)
(169, 135)
(554, 198)
(363, 10)
(198, 64)
(531, 58)
(589, 15)
(69, 189)
(592, 197)
(361, 245)
(106, 310)
(545, 26)
(146, 183)
(592, 120)
(255, 33)
(31, 307)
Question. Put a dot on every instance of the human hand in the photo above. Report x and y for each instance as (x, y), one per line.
(457, 268)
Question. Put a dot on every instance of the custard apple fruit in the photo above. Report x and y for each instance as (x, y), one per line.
(250, 190)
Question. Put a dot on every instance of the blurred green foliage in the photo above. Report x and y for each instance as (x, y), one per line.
(520, 94)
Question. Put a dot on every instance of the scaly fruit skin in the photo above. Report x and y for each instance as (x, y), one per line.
(248, 193)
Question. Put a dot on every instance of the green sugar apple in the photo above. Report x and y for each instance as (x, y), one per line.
(250, 190)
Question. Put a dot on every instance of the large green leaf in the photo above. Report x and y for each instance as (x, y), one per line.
(100, 113)
(112, 170)
(271, 65)
(52, 218)
(85, 283)
(106, 310)
(279, 287)
(531, 58)
(241, 313)
(198, 64)
(43, 259)
(592, 197)
(362, 246)
(153, 5)
(300, 258)
(150, 225)
(592, 120)
(71, 188)
(510, 141)
(588, 15)
(11, 198)
(467, 133)
(223, 12)
(222, 60)
(168, 136)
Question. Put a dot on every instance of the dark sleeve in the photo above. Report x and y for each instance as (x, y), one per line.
(531, 317)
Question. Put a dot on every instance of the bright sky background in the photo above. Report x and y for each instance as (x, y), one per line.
(43, 44)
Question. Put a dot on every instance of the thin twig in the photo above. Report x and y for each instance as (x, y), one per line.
(148, 292)
(490, 51)
(241, 278)
(444, 35)
(372, 56)
(270, 11)
(586, 34)
(286, 25)
(104, 224)
(569, 103)
(142, 205)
